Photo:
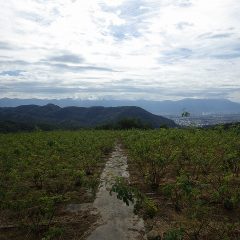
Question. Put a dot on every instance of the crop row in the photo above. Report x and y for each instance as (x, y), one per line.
(41, 171)
(193, 176)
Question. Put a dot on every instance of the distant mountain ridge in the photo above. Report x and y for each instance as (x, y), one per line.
(79, 116)
(194, 106)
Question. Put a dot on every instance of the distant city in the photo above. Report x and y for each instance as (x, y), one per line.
(205, 120)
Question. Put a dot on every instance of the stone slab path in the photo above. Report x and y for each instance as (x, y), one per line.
(117, 222)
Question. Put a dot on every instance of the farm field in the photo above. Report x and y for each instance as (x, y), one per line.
(42, 173)
(193, 179)
(185, 183)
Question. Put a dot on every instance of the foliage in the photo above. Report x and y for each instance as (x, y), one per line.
(124, 192)
(185, 114)
(39, 171)
(132, 195)
(174, 234)
(125, 124)
(53, 233)
(194, 171)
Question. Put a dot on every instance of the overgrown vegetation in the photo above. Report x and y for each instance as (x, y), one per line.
(122, 124)
(42, 171)
(193, 176)
(188, 178)
(126, 124)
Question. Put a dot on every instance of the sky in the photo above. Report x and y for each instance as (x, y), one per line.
(120, 49)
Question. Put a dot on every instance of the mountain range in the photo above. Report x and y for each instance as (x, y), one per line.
(193, 106)
(76, 117)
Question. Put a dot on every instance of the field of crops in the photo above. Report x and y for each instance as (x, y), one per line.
(190, 176)
(42, 171)
(193, 177)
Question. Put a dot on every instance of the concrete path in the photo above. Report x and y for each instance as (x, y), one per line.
(118, 222)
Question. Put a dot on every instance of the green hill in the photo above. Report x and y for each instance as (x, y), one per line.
(77, 117)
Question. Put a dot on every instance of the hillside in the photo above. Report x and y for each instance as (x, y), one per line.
(70, 117)
(194, 106)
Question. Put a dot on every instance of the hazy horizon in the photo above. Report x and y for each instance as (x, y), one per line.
(120, 49)
(116, 99)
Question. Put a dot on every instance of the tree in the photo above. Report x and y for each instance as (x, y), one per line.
(185, 114)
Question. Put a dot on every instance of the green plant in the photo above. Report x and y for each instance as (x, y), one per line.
(174, 234)
(123, 191)
(132, 195)
(53, 233)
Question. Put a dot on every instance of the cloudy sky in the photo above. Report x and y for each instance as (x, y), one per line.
(120, 49)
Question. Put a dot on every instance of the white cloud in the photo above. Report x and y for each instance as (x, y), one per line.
(168, 48)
